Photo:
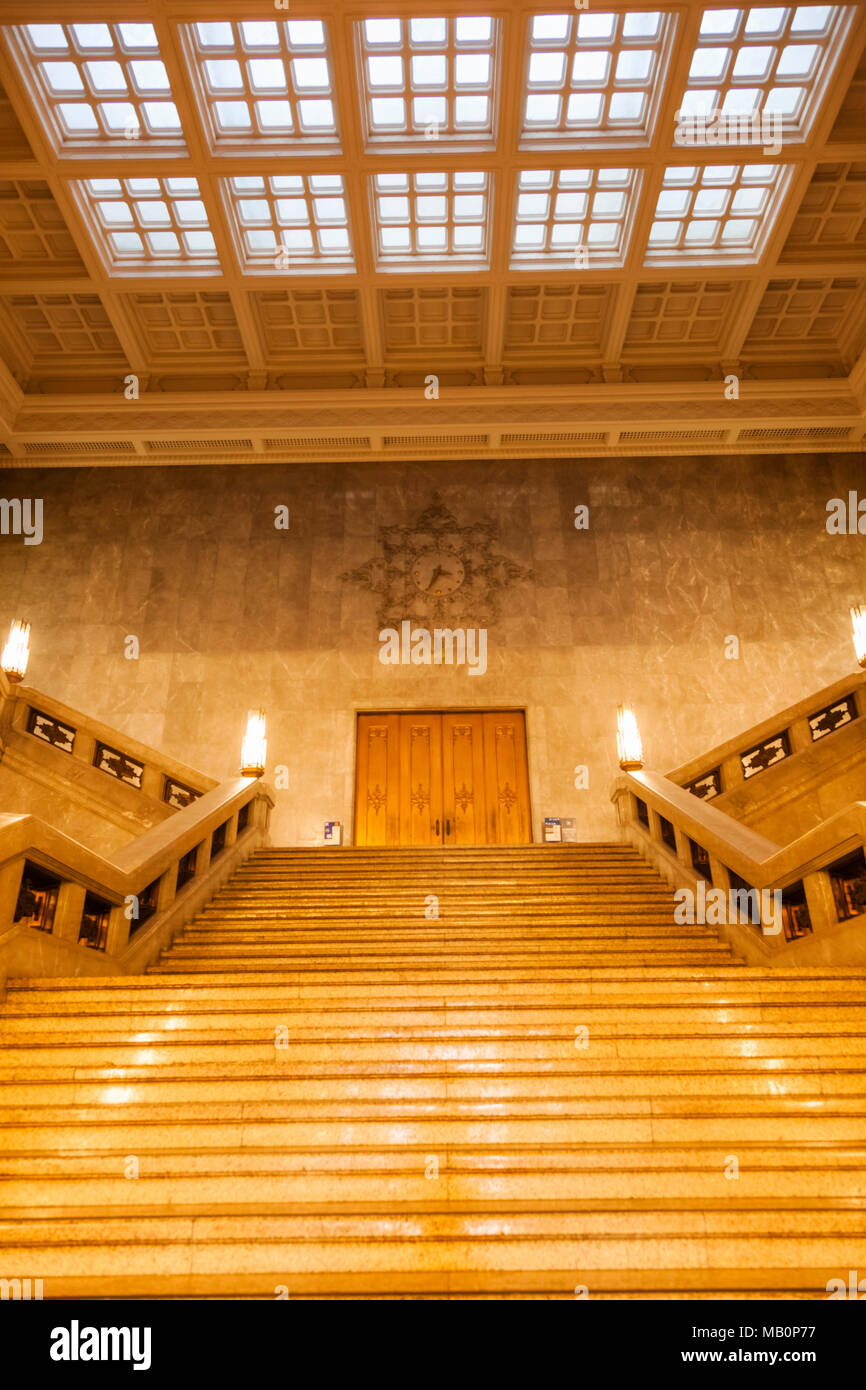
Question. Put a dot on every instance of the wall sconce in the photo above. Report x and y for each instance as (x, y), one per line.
(628, 745)
(254, 751)
(858, 632)
(16, 653)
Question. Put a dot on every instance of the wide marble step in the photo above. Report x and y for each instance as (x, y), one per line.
(327, 1092)
(483, 1250)
(418, 1020)
(199, 1194)
(382, 971)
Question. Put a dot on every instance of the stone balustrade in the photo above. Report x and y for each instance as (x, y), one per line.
(94, 782)
(113, 915)
(792, 770)
(821, 874)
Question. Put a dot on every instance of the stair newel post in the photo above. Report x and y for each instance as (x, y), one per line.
(624, 805)
(69, 911)
(260, 811)
(152, 782)
(10, 887)
(800, 735)
(683, 847)
(732, 772)
(721, 877)
(84, 747)
(167, 891)
(202, 858)
(820, 901)
(119, 926)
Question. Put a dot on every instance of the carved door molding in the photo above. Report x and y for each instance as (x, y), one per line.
(442, 778)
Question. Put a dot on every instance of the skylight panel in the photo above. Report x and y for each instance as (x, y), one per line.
(430, 217)
(143, 223)
(718, 213)
(594, 76)
(771, 64)
(98, 86)
(428, 79)
(264, 81)
(291, 222)
(577, 218)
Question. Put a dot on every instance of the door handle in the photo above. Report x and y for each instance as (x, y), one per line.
(437, 825)
(447, 828)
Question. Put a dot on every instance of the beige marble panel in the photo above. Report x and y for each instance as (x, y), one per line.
(231, 613)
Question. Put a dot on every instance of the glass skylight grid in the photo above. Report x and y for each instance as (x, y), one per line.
(99, 84)
(776, 62)
(264, 80)
(721, 212)
(573, 217)
(149, 222)
(428, 78)
(290, 221)
(432, 217)
(596, 76)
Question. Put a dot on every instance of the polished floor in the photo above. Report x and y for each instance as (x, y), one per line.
(325, 1089)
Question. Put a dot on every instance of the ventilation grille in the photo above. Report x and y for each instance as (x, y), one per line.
(673, 436)
(515, 440)
(433, 441)
(185, 446)
(756, 436)
(351, 441)
(80, 446)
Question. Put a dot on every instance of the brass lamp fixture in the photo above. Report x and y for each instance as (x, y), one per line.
(254, 751)
(16, 653)
(858, 632)
(628, 745)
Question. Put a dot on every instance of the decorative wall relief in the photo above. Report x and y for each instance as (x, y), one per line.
(118, 765)
(62, 736)
(765, 755)
(435, 571)
(828, 720)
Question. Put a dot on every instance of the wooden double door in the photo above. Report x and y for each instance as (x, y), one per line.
(442, 779)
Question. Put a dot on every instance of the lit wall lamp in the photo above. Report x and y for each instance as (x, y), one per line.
(16, 653)
(858, 632)
(628, 745)
(254, 751)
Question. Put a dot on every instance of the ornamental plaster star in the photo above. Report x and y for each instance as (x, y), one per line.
(436, 572)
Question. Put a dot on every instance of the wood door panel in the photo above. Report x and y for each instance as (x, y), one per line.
(377, 780)
(464, 801)
(420, 779)
(465, 772)
(508, 818)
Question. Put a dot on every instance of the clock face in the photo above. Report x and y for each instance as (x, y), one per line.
(438, 571)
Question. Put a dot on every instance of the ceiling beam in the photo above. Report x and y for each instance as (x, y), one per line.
(211, 197)
(356, 161)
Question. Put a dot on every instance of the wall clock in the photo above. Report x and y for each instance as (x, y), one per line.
(438, 571)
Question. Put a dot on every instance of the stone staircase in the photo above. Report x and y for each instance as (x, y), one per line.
(325, 1092)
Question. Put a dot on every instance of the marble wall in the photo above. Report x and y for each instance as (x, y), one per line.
(231, 612)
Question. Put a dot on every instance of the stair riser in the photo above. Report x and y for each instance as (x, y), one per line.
(452, 1038)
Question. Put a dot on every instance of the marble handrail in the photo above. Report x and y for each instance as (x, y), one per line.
(733, 851)
(137, 864)
(792, 720)
(154, 858)
(17, 700)
(760, 861)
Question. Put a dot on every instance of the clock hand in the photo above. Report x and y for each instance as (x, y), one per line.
(437, 572)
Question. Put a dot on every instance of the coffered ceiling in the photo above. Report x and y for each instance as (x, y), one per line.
(247, 230)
